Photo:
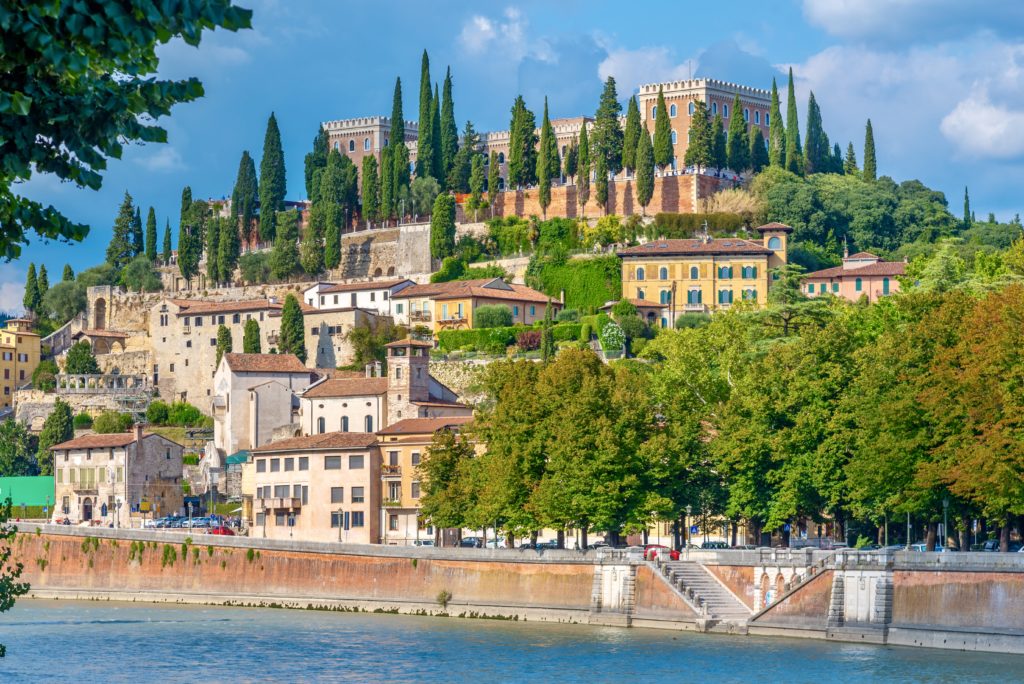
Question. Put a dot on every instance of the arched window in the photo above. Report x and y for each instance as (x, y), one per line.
(714, 108)
(757, 117)
(654, 112)
(725, 272)
(746, 114)
(663, 273)
(691, 108)
(725, 111)
(344, 423)
(672, 110)
(385, 142)
(725, 296)
(321, 425)
(640, 294)
(750, 272)
(858, 285)
(750, 295)
(673, 137)
(501, 157)
(885, 286)
(767, 120)
(337, 145)
(693, 297)
(351, 145)
(774, 243)
(366, 144)
(369, 424)
(640, 273)
(665, 297)
(694, 273)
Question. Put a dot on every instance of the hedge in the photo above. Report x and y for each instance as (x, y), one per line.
(491, 340)
(588, 283)
(566, 331)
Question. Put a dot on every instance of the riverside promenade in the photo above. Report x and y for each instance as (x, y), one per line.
(968, 601)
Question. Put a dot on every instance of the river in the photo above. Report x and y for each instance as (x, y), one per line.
(129, 642)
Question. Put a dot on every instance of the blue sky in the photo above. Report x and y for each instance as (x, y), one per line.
(942, 81)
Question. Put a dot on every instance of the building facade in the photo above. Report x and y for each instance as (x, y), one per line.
(860, 275)
(318, 488)
(450, 306)
(702, 274)
(365, 136)
(368, 295)
(19, 356)
(117, 478)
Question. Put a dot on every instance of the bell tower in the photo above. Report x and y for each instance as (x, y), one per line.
(775, 236)
(408, 378)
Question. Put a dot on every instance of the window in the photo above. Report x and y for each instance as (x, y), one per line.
(533, 310)
(279, 519)
(725, 296)
(398, 308)
(188, 344)
(665, 297)
(725, 111)
(213, 341)
(750, 295)
(344, 423)
(392, 458)
(337, 145)
(725, 272)
(369, 424)
(885, 286)
(357, 518)
(774, 243)
(674, 137)
(289, 464)
(393, 522)
(858, 285)
(236, 318)
(810, 288)
(275, 465)
(714, 108)
(501, 157)
(366, 144)
(357, 495)
(394, 491)
(199, 321)
(337, 495)
(332, 462)
(746, 114)
(515, 310)
(654, 112)
(297, 492)
(444, 312)
(351, 145)
(355, 462)
(672, 110)
(640, 273)
(640, 293)
(691, 108)
(663, 273)
(336, 519)
(281, 491)
(415, 458)
(757, 117)
(835, 287)
(749, 272)
(694, 273)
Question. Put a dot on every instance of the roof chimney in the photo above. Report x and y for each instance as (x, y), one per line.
(138, 434)
(369, 370)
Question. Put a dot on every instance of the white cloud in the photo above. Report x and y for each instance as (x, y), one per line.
(979, 128)
(632, 68)
(508, 34)
(160, 157)
(12, 289)
(912, 20)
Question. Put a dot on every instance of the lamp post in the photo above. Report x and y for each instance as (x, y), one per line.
(945, 520)
(686, 532)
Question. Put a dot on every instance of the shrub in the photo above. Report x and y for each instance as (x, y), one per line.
(451, 269)
(44, 377)
(487, 340)
(157, 412)
(586, 332)
(693, 320)
(566, 331)
(492, 316)
(624, 309)
(634, 328)
(587, 283)
(111, 421)
(528, 340)
(190, 459)
(184, 414)
(83, 421)
(255, 267)
(568, 316)
(612, 338)
(511, 235)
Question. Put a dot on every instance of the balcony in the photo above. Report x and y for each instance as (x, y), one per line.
(186, 329)
(419, 316)
(278, 503)
(390, 471)
(693, 307)
(84, 487)
(392, 503)
(272, 339)
(452, 323)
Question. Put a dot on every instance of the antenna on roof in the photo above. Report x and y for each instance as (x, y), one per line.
(846, 248)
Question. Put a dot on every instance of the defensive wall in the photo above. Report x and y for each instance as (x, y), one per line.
(968, 601)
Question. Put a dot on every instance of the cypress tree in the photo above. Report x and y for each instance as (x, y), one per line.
(449, 129)
(228, 248)
(42, 282)
(371, 190)
(700, 153)
(311, 253)
(644, 170)
(251, 338)
(571, 161)
(121, 249)
(663, 151)
(544, 162)
(442, 227)
(758, 151)
(223, 341)
(816, 148)
(151, 235)
(837, 159)
(333, 219)
(69, 274)
(968, 216)
(850, 163)
(493, 176)
(522, 156)
(583, 171)
(476, 183)
(424, 162)
(776, 131)
(737, 150)
(138, 243)
(293, 329)
(631, 136)
(246, 191)
(284, 258)
(31, 297)
(188, 258)
(718, 133)
(314, 160)
(272, 179)
(794, 153)
(870, 171)
(387, 179)
(399, 152)
(58, 427)
(166, 256)
(547, 337)
(601, 182)
(436, 154)
(458, 174)
(212, 251)
(554, 159)
(606, 138)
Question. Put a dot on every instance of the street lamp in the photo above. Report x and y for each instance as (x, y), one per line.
(686, 532)
(945, 520)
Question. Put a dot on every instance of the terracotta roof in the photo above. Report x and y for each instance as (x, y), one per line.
(882, 268)
(437, 401)
(688, 247)
(366, 285)
(424, 426)
(265, 363)
(409, 342)
(775, 225)
(347, 387)
(327, 440)
(638, 303)
(189, 307)
(99, 333)
(117, 439)
(458, 289)
(863, 255)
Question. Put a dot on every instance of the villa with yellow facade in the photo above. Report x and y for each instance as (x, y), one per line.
(666, 278)
(450, 306)
(19, 356)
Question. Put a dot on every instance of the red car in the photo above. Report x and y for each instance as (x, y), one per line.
(221, 529)
(652, 551)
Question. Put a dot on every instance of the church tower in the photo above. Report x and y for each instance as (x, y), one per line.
(408, 378)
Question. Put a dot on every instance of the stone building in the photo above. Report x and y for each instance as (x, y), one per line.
(451, 305)
(860, 275)
(368, 295)
(117, 478)
(365, 136)
(19, 356)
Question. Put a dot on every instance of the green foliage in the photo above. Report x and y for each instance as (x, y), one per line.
(449, 129)
(223, 342)
(606, 137)
(492, 316)
(272, 180)
(79, 359)
(701, 150)
(17, 457)
(151, 234)
(522, 157)
(644, 162)
(718, 151)
(169, 556)
(165, 254)
(568, 316)
(44, 377)
(817, 154)
(486, 340)
(583, 171)
(794, 152)
(870, 164)
(371, 190)
(442, 227)
(613, 339)
(423, 192)
(293, 333)
(229, 246)
(311, 255)
(662, 147)
(31, 298)
(587, 283)
(110, 422)
(544, 161)
(58, 427)
(284, 259)
(510, 234)
(121, 248)
(776, 131)
(157, 412)
(141, 275)
(315, 162)
(738, 145)
(177, 414)
(255, 267)
(368, 342)
(631, 135)
(251, 337)
(758, 151)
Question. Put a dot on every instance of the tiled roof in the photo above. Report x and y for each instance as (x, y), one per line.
(882, 268)
(265, 363)
(862, 255)
(458, 289)
(190, 307)
(424, 426)
(99, 333)
(366, 285)
(690, 247)
(117, 439)
(327, 440)
(775, 225)
(348, 387)
(518, 293)
(409, 342)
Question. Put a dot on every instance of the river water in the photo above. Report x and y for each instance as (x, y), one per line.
(125, 642)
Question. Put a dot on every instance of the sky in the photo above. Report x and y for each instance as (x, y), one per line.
(941, 80)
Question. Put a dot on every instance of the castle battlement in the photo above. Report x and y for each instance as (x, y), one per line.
(364, 122)
(698, 83)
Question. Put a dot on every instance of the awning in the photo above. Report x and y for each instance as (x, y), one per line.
(237, 458)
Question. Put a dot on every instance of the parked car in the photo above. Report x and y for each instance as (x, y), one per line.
(471, 543)
(423, 542)
(714, 545)
(652, 551)
(922, 546)
(597, 545)
(221, 529)
(745, 547)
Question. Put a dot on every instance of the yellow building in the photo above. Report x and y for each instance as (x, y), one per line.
(450, 306)
(701, 274)
(402, 446)
(19, 356)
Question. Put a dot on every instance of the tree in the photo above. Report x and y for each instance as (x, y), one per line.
(44, 377)
(245, 194)
(967, 215)
(493, 180)
(69, 273)
(140, 276)
(65, 300)
(399, 152)
(58, 428)
(444, 471)
(315, 160)
(663, 150)
(870, 170)
(80, 360)
(547, 135)
(492, 316)
(547, 338)
(251, 337)
(794, 153)
(442, 227)
(476, 184)
(212, 243)
(583, 171)
(449, 129)
(112, 422)
(522, 156)
(758, 151)
(272, 180)
(284, 258)
(121, 249)
(16, 457)
(816, 149)
(223, 342)
(719, 154)
(644, 170)
(631, 135)
(458, 174)
(737, 149)
(188, 240)
(435, 138)
(165, 255)
(601, 182)
(700, 153)
(606, 136)
(850, 162)
(138, 244)
(422, 193)
(311, 251)
(229, 248)
(31, 298)
(151, 234)
(776, 131)
(255, 267)
(571, 161)
(332, 236)
(371, 190)
(424, 160)
(293, 329)
(789, 310)
(69, 113)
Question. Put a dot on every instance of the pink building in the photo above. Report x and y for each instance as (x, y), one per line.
(862, 275)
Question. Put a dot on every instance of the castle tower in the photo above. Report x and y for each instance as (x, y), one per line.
(408, 378)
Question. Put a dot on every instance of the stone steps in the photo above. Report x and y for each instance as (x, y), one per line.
(697, 584)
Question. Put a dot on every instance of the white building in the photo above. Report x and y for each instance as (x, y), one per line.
(371, 295)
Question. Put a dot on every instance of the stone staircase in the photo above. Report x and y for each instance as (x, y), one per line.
(704, 592)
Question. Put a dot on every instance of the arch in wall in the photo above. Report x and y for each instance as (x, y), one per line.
(763, 591)
(780, 586)
(377, 273)
(391, 270)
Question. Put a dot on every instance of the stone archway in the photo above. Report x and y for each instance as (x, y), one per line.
(378, 273)
(765, 597)
(780, 586)
(99, 314)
